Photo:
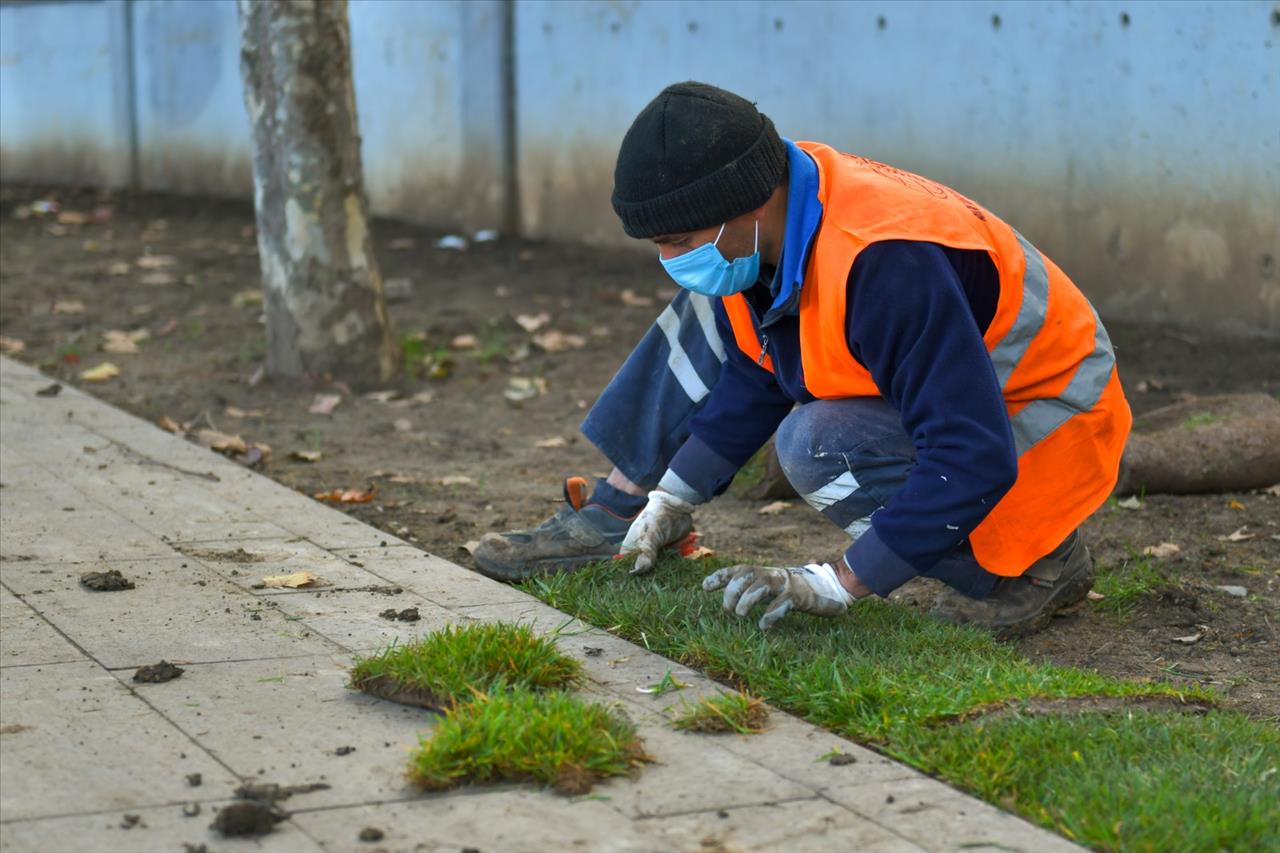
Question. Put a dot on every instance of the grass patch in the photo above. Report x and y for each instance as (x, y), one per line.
(452, 665)
(899, 680)
(1123, 586)
(1122, 781)
(551, 738)
(1200, 419)
(728, 712)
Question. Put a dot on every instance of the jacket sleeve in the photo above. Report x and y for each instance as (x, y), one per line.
(910, 324)
(743, 410)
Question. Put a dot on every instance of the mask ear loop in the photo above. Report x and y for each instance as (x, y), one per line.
(716, 241)
(757, 248)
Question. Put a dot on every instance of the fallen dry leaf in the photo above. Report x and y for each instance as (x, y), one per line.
(554, 341)
(774, 508)
(1164, 549)
(1237, 536)
(385, 396)
(118, 268)
(167, 328)
(555, 441)
(631, 300)
(297, 580)
(1274, 491)
(158, 278)
(11, 346)
(455, 480)
(305, 455)
(101, 373)
(1235, 504)
(465, 342)
(74, 217)
(155, 262)
(1188, 640)
(236, 412)
(348, 496)
(402, 425)
(122, 342)
(699, 552)
(521, 388)
(533, 322)
(470, 545)
(1095, 596)
(221, 441)
(1130, 502)
(68, 306)
(324, 404)
(168, 424)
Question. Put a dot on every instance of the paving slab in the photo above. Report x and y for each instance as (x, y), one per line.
(27, 639)
(177, 611)
(157, 829)
(264, 696)
(77, 740)
(285, 721)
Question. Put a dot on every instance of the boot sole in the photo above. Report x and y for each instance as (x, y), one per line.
(538, 568)
(1070, 594)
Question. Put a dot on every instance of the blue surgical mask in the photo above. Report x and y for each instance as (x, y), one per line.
(704, 270)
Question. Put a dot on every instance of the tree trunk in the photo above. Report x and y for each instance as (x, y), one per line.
(323, 292)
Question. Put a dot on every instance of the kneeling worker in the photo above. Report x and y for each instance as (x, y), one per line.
(959, 409)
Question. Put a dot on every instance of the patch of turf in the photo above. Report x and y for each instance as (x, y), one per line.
(1120, 781)
(552, 738)
(728, 712)
(912, 686)
(450, 665)
(1125, 585)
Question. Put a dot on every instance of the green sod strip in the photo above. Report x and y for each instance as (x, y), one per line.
(1120, 781)
(449, 666)
(553, 738)
(728, 712)
(894, 678)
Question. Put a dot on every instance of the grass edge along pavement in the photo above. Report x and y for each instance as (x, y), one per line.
(734, 711)
(953, 702)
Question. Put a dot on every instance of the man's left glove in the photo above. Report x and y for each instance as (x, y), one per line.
(665, 520)
(810, 589)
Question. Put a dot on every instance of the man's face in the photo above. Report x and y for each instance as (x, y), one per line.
(737, 241)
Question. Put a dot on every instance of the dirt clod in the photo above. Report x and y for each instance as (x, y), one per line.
(409, 614)
(190, 809)
(270, 792)
(842, 759)
(252, 817)
(50, 390)
(344, 750)
(371, 834)
(109, 581)
(129, 821)
(592, 651)
(157, 673)
(195, 780)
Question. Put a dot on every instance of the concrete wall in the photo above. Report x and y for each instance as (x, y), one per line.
(64, 93)
(1137, 143)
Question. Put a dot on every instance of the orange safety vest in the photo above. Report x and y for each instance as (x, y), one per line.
(1050, 352)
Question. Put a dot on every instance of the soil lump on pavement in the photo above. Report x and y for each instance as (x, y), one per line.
(157, 673)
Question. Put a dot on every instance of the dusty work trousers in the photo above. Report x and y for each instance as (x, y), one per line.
(846, 457)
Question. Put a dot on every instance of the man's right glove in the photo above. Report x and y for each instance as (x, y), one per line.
(665, 520)
(810, 589)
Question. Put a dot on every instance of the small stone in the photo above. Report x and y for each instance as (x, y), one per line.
(129, 821)
(1234, 591)
(190, 809)
(195, 780)
(889, 799)
(371, 833)
(344, 750)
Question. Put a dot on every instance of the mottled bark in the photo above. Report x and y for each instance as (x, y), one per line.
(324, 302)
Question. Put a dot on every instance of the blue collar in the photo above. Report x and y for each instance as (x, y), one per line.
(804, 215)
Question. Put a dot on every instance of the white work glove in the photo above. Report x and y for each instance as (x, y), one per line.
(810, 589)
(665, 520)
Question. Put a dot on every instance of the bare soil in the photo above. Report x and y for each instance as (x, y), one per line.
(453, 457)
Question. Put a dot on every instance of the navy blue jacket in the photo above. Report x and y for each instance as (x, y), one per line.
(916, 315)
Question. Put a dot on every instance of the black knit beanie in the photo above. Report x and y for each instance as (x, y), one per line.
(696, 156)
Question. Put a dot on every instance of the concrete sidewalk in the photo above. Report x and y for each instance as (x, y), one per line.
(91, 761)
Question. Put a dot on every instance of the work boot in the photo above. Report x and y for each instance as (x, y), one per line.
(1025, 604)
(581, 532)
